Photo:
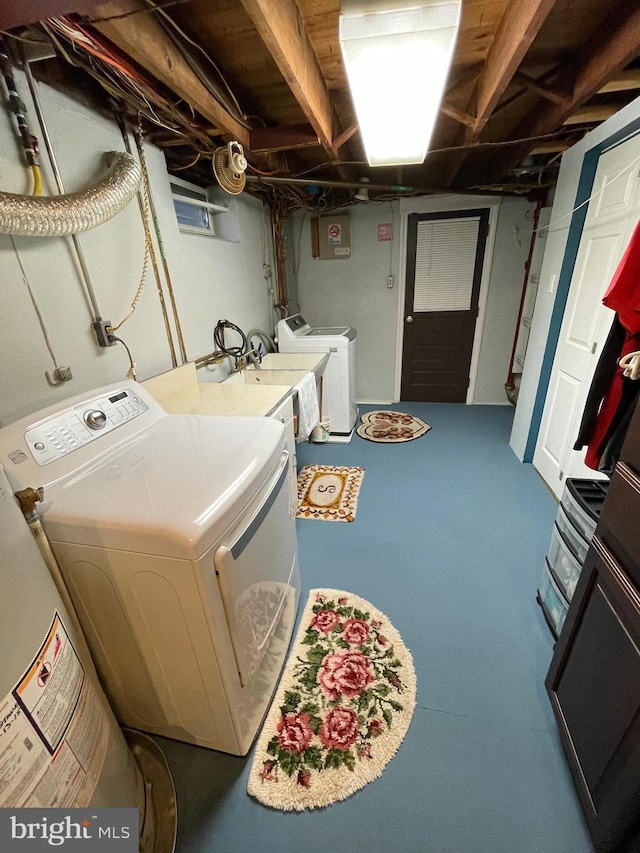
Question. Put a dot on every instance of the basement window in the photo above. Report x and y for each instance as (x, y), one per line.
(194, 212)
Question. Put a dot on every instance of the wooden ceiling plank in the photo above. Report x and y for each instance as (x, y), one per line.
(543, 91)
(345, 137)
(145, 41)
(459, 115)
(602, 59)
(270, 139)
(283, 32)
(622, 82)
(517, 30)
(591, 115)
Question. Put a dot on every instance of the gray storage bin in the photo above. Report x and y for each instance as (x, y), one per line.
(552, 602)
(578, 545)
(565, 567)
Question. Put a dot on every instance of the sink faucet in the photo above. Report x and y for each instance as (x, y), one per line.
(252, 356)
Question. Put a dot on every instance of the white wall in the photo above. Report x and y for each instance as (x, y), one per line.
(354, 291)
(563, 203)
(212, 280)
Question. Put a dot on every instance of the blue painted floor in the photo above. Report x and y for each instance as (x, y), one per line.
(449, 541)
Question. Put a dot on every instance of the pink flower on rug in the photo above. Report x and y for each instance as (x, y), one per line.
(320, 597)
(339, 729)
(355, 632)
(382, 641)
(376, 623)
(325, 620)
(294, 732)
(304, 778)
(267, 774)
(342, 601)
(375, 728)
(344, 673)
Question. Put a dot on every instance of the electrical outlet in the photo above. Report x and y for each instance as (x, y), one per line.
(103, 333)
(389, 281)
(60, 374)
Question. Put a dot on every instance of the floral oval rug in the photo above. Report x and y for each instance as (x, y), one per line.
(341, 710)
(387, 427)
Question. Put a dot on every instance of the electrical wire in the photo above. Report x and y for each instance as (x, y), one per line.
(131, 373)
(37, 180)
(27, 284)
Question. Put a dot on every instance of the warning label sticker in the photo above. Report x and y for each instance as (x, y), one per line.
(335, 233)
(54, 731)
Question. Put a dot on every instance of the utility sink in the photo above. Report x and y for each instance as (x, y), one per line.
(251, 376)
(305, 361)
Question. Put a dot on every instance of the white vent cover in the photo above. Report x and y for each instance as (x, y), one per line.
(445, 262)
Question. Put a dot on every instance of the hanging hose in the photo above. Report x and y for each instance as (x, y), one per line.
(218, 338)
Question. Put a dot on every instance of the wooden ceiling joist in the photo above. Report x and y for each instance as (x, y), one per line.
(283, 32)
(602, 58)
(145, 41)
(544, 92)
(592, 115)
(265, 140)
(622, 82)
(516, 31)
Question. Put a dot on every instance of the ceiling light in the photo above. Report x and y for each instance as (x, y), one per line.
(397, 57)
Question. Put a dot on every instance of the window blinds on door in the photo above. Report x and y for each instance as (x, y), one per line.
(445, 261)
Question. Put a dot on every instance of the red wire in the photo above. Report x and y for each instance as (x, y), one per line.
(265, 174)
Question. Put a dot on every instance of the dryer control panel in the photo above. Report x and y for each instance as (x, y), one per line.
(65, 432)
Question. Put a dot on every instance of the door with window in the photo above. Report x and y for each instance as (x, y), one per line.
(445, 254)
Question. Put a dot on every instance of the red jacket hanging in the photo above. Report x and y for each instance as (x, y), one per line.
(606, 396)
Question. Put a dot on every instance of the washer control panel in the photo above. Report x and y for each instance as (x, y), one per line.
(63, 433)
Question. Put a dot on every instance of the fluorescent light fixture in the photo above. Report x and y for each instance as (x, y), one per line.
(397, 57)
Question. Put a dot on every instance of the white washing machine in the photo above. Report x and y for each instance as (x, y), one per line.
(175, 539)
(339, 379)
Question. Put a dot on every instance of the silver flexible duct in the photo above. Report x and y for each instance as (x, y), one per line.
(57, 216)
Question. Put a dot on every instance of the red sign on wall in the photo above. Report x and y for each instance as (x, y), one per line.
(385, 231)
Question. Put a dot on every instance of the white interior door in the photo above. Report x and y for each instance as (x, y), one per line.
(611, 217)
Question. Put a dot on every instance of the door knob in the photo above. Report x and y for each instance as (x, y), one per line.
(409, 319)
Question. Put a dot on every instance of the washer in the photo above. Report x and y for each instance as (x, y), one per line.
(339, 380)
(175, 539)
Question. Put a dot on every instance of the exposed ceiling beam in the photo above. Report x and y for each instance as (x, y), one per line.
(518, 27)
(458, 115)
(553, 147)
(543, 91)
(517, 30)
(266, 140)
(145, 41)
(592, 115)
(601, 59)
(623, 81)
(282, 30)
(345, 137)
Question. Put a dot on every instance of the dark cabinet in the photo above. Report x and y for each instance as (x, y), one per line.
(594, 678)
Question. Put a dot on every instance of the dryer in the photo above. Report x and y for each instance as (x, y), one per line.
(176, 541)
(339, 379)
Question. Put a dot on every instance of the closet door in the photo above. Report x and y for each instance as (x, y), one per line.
(611, 218)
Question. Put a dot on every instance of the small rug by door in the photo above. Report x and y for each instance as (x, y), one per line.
(385, 426)
(341, 710)
(328, 492)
